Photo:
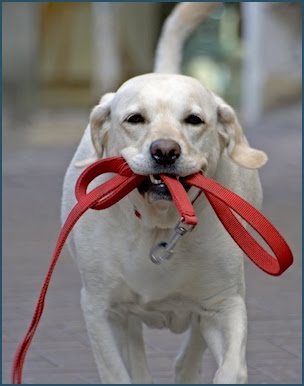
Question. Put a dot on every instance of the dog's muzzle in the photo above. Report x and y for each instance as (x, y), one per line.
(164, 153)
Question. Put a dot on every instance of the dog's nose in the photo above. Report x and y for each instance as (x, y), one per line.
(165, 151)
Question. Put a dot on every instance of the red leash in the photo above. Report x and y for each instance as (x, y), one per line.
(113, 190)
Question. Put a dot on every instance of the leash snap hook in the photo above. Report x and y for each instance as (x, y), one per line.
(164, 250)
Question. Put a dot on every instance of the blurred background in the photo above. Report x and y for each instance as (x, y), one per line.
(58, 58)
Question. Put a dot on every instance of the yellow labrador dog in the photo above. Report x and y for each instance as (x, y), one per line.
(164, 123)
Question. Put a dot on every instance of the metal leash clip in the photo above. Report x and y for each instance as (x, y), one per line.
(164, 250)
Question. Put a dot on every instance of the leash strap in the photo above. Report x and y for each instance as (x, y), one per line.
(113, 190)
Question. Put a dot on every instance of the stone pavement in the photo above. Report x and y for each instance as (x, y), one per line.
(34, 163)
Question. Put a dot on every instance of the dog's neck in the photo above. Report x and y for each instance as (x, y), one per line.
(159, 214)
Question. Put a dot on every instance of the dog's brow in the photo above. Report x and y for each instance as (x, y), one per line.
(134, 109)
(195, 110)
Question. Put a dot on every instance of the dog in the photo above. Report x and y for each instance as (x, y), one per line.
(164, 122)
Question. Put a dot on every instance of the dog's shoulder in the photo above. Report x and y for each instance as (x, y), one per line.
(84, 152)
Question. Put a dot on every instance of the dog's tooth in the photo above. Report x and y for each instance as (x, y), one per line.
(154, 180)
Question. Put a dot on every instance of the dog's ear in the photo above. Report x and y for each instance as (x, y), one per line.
(100, 120)
(231, 134)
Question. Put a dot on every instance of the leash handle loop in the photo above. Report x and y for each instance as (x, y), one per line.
(222, 201)
(114, 189)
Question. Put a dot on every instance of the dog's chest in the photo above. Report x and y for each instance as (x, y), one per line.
(156, 281)
(187, 272)
(173, 313)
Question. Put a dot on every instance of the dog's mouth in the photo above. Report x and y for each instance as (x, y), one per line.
(154, 188)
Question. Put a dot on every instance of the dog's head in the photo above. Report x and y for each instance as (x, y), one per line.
(168, 124)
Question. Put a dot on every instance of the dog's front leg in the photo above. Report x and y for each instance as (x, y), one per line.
(108, 335)
(224, 327)
(140, 373)
(189, 361)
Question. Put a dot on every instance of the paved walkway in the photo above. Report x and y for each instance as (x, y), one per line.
(33, 169)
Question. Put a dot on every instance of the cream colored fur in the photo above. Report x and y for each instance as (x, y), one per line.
(201, 289)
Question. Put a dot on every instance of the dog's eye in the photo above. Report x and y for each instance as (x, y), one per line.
(135, 118)
(194, 120)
